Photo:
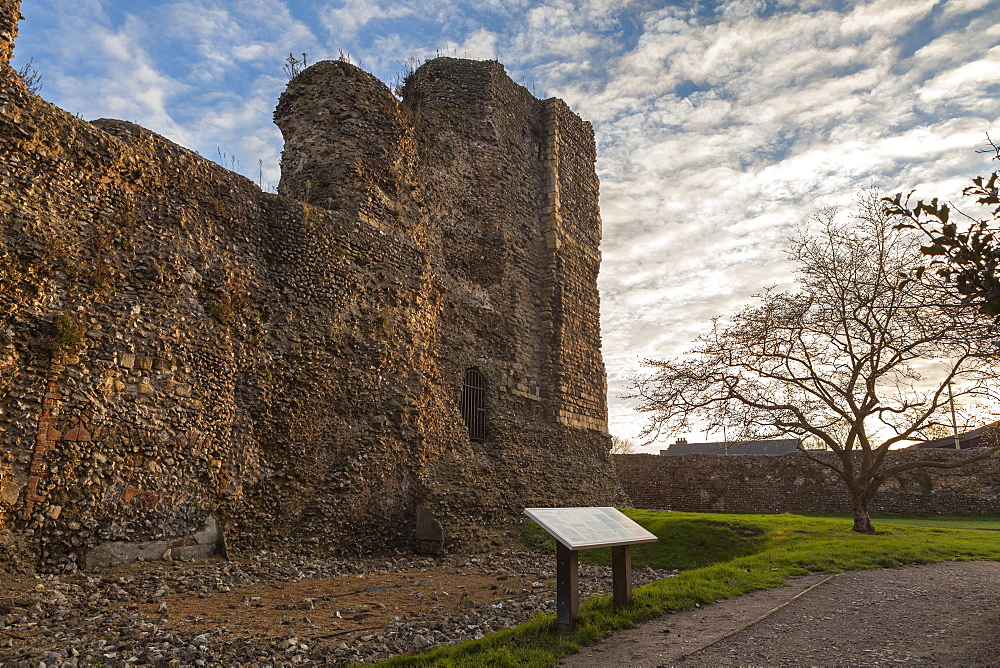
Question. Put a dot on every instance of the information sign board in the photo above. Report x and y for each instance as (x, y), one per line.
(584, 528)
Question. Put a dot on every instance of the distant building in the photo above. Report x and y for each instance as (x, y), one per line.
(984, 437)
(780, 446)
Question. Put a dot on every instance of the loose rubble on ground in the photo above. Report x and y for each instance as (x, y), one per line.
(277, 608)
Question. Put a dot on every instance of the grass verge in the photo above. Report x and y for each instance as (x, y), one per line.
(739, 553)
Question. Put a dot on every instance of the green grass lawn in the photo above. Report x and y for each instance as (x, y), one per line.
(727, 555)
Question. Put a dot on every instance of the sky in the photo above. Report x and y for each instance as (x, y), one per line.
(722, 126)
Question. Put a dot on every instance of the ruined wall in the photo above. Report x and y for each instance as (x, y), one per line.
(791, 483)
(177, 347)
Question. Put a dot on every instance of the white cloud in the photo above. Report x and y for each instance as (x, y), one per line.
(955, 7)
(885, 17)
(344, 20)
(129, 85)
(479, 45)
(970, 79)
(227, 37)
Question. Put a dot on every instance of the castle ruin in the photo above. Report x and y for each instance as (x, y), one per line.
(399, 349)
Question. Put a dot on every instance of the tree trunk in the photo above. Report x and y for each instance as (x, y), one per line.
(862, 523)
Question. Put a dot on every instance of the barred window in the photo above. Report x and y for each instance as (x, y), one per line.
(474, 404)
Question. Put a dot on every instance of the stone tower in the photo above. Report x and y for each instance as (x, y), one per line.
(505, 188)
(499, 190)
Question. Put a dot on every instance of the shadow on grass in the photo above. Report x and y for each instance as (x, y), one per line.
(684, 542)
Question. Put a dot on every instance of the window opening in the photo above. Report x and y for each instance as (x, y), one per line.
(474, 405)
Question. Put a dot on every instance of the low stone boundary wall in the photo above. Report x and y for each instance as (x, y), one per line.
(792, 483)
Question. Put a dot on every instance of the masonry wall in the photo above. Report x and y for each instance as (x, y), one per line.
(573, 228)
(178, 348)
(791, 483)
(486, 204)
(10, 15)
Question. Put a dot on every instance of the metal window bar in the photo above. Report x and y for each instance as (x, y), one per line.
(474, 405)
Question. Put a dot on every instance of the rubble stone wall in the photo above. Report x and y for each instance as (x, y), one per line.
(791, 483)
(178, 348)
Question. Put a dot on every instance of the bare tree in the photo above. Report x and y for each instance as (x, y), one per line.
(32, 77)
(622, 446)
(856, 358)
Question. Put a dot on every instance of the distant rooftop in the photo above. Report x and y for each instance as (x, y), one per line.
(984, 437)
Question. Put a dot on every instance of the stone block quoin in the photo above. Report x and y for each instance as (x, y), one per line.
(572, 233)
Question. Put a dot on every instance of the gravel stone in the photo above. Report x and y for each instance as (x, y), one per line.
(101, 618)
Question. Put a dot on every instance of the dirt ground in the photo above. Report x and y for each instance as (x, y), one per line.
(343, 607)
(314, 609)
(945, 614)
(939, 614)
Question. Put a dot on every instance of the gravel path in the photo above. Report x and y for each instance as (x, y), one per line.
(276, 608)
(945, 614)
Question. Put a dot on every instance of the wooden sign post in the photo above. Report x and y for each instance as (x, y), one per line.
(567, 586)
(583, 528)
